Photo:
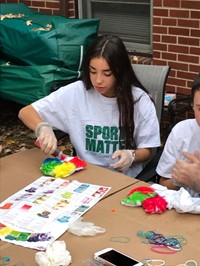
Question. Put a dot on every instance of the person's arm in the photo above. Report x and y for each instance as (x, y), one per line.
(43, 131)
(29, 116)
(167, 182)
(187, 174)
(128, 157)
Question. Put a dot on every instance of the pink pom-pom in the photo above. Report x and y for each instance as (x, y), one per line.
(156, 204)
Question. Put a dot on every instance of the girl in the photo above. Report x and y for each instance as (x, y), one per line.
(109, 116)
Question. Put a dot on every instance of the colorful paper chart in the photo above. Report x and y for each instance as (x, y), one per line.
(41, 212)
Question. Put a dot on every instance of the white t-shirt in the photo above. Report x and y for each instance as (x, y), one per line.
(184, 137)
(92, 122)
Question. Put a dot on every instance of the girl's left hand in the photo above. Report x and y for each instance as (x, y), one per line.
(125, 160)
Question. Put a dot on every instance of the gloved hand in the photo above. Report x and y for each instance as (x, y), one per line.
(126, 159)
(46, 137)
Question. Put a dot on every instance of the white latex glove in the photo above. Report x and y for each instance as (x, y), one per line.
(46, 137)
(56, 254)
(125, 160)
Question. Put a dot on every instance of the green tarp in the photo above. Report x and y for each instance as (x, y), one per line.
(26, 84)
(43, 50)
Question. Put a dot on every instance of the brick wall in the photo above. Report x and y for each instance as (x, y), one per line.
(176, 41)
(52, 7)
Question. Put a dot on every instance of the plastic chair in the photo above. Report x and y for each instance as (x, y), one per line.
(154, 79)
(176, 107)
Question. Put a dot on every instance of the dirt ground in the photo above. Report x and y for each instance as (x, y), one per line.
(15, 136)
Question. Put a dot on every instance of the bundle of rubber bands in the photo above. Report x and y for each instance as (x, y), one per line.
(162, 244)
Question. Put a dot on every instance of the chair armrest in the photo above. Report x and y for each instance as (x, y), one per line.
(177, 107)
(180, 105)
(148, 174)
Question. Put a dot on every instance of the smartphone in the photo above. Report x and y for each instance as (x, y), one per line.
(113, 257)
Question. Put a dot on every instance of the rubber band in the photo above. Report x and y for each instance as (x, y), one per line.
(158, 239)
(157, 249)
(174, 248)
(188, 263)
(180, 238)
(152, 262)
(120, 239)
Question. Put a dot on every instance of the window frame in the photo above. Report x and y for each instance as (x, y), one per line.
(133, 48)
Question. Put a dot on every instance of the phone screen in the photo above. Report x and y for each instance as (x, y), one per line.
(118, 259)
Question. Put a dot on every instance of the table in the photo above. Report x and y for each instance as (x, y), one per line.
(117, 219)
(20, 169)
(127, 221)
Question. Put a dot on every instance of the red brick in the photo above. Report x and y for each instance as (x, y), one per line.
(169, 39)
(52, 5)
(185, 75)
(162, 30)
(195, 14)
(179, 65)
(170, 88)
(157, 3)
(71, 5)
(171, 3)
(156, 38)
(195, 33)
(195, 51)
(188, 23)
(179, 31)
(188, 41)
(184, 91)
(178, 49)
(160, 12)
(179, 13)
(156, 21)
(176, 81)
(71, 14)
(172, 72)
(156, 54)
(194, 68)
(169, 22)
(159, 47)
(38, 4)
(159, 62)
(188, 58)
(190, 4)
(169, 56)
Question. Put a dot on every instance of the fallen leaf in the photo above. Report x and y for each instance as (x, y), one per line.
(10, 141)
